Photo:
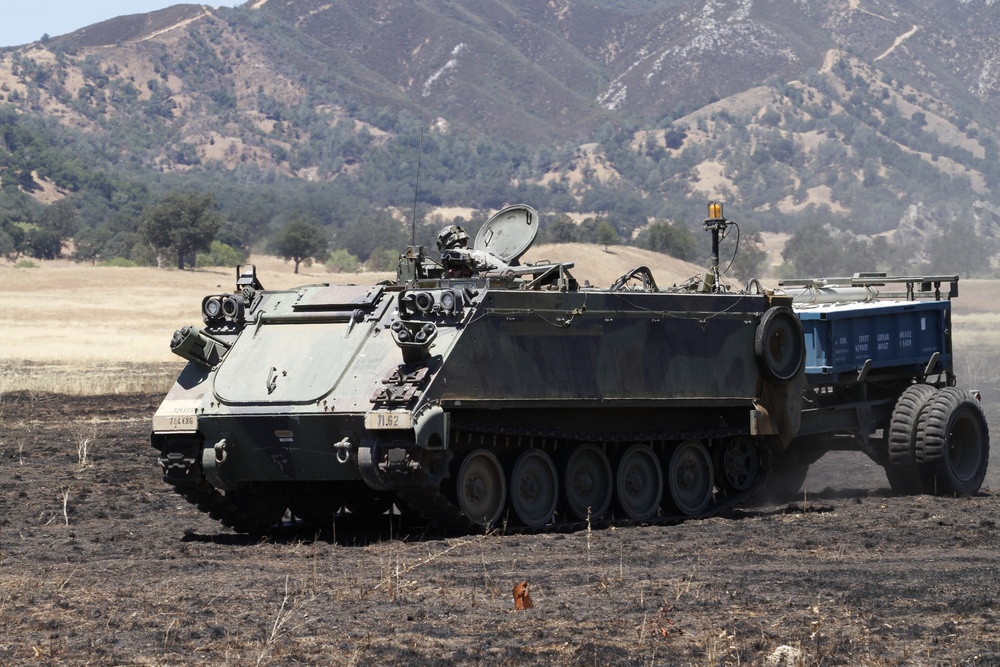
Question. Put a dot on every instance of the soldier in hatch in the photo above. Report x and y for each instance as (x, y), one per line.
(459, 261)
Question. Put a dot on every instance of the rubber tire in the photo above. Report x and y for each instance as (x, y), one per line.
(953, 443)
(779, 344)
(901, 469)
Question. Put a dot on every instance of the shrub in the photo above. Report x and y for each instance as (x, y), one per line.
(119, 261)
(341, 261)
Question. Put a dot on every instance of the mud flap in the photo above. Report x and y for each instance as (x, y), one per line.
(431, 427)
(779, 412)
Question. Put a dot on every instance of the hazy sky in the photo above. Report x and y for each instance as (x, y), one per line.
(24, 21)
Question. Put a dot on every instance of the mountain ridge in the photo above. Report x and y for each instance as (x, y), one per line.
(847, 112)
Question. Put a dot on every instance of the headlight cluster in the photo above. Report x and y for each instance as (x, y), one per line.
(414, 339)
(215, 309)
(431, 302)
(420, 336)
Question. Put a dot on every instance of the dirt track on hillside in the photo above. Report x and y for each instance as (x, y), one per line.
(100, 563)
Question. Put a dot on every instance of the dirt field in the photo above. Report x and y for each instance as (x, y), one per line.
(100, 564)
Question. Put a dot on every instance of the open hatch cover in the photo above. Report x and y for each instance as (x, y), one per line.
(509, 233)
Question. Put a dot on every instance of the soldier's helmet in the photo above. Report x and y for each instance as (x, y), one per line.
(451, 237)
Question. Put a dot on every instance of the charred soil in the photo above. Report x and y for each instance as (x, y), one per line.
(101, 563)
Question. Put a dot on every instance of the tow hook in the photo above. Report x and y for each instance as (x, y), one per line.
(221, 449)
(343, 450)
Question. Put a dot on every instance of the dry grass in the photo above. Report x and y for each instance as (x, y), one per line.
(602, 268)
(84, 330)
(79, 329)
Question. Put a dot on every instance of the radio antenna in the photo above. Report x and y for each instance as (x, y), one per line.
(416, 187)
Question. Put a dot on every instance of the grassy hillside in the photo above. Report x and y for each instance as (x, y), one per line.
(863, 120)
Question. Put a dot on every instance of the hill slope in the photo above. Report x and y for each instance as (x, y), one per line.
(857, 114)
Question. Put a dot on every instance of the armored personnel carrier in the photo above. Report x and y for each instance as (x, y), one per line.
(474, 390)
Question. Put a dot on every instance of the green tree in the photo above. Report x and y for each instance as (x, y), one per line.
(222, 254)
(44, 243)
(958, 248)
(341, 261)
(60, 218)
(301, 241)
(12, 239)
(813, 251)
(668, 239)
(382, 259)
(562, 229)
(365, 235)
(606, 234)
(181, 222)
(89, 244)
(750, 255)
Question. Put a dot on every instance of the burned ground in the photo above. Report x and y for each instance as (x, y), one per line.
(100, 563)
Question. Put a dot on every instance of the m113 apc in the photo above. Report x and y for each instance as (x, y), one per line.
(474, 390)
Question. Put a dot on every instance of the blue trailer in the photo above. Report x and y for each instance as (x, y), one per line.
(880, 379)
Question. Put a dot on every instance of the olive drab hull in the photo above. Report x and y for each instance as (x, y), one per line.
(470, 394)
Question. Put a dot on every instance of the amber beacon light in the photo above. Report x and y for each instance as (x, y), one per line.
(715, 210)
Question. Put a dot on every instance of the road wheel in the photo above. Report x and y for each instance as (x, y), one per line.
(901, 468)
(262, 504)
(317, 502)
(953, 443)
(587, 485)
(364, 501)
(639, 483)
(534, 488)
(737, 464)
(690, 478)
(480, 488)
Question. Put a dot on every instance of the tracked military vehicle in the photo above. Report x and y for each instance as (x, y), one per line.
(474, 390)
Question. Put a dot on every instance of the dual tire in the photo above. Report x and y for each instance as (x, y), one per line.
(938, 442)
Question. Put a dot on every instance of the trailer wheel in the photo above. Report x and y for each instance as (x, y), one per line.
(779, 345)
(901, 468)
(953, 443)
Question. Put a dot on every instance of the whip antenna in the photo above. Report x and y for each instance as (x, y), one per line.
(416, 187)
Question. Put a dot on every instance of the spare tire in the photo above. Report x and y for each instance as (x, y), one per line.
(779, 344)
